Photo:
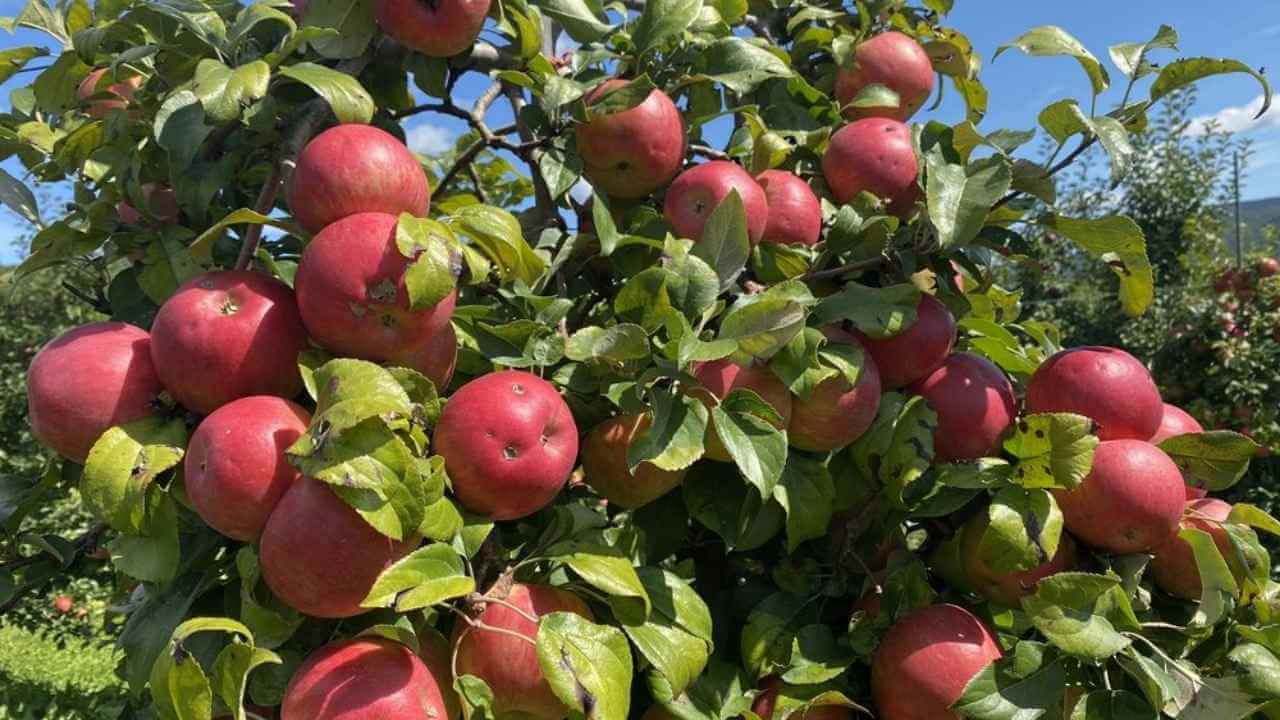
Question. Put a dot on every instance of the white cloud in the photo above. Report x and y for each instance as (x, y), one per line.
(1238, 118)
(428, 139)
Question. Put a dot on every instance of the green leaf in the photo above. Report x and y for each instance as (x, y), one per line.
(18, 197)
(252, 16)
(1053, 450)
(877, 312)
(731, 510)
(724, 244)
(271, 623)
(56, 87)
(497, 233)
(1156, 682)
(1112, 705)
(1258, 670)
(1185, 71)
(152, 554)
(908, 452)
(765, 323)
(437, 259)
(588, 666)
(757, 446)
(622, 98)
(231, 672)
(674, 439)
(960, 198)
(1064, 119)
(646, 298)
(1115, 140)
(353, 21)
(720, 693)
(14, 59)
(1023, 685)
(180, 129)
(740, 65)
(767, 639)
(347, 98)
(676, 636)
(202, 247)
(166, 266)
(179, 687)
(122, 465)
(816, 657)
(582, 19)
(1082, 614)
(1049, 40)
(39, 16)
(1217, 458)
(806, 493)
(1119, 242)
(198, 17)
(615, 344)
(1254, 517)
(1023, 530)
(225, 92)
(1218, 589)
(428, 576)
(1131, 57)
(661, 20)
(603, 567)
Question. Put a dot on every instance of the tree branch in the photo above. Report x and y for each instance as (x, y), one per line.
(1084, 145)
(79, 546)
(844, 269)
(544, 202)
(709, 152)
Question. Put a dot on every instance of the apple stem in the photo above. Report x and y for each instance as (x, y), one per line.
(710, 152)
(495, 601)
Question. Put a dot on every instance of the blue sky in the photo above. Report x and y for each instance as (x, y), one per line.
(1248, 30)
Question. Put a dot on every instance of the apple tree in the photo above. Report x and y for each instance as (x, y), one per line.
(743, 429)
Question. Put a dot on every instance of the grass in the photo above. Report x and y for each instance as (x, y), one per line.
(44, 679)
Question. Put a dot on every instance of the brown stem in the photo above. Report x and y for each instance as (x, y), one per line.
(266, 200)
(844, 269)
(710, 152)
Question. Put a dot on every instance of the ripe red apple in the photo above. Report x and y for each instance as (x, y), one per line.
(351, 169)
(508, 664)
(118, 93)
(925, 660)
(1174, 421)
(1007, 589)
(604, 464)
(235, 468)
(63, 604)
(436, 358)
(836, 413)
(795, 215)
(634, 152)
(509, 444)
(1106, 384)
(89, 379)
(873, 155)
(365, 678)
(1129, 502)
(697, 192)
(352, 295)
(438, 28)
(916, 351)
(895, 61)
(1173, 567)
(975, 405)
(437, 654)
(299, 8)
(1268, 266)
(161, 204)
(721, 377)
(225, 335)
(319, 556)
(767, 700)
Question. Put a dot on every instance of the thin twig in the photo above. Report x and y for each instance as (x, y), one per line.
(544, 201)
(266, 200)
(759, 27)
(710, 152)
(1084, 145)
(844, 269)
(80, 545)
(475, 180)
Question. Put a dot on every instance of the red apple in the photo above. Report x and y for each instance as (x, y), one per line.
(1225, 281)
(161, 204)
(1174, 421)
(89, 379)
(299, 8)
(352, 169)
(604, 464)
(873, 155)
(699, 190)
(634, 152)
(1007, 588)
(721, 377)
(916, 351)
(365, 678)
(435, 28)
(1268, 266)
(319, 556)
(975, 405)
(1173, 567)
(765, 706)
(1105, 384)
(1130, 501)
(795, 215)
(509, 444)
(352, 294)
(508, 664)
(895, 61)
(437, 654)
(63, 604)
(118, 94)
(835, 413)
(436, 358)
(225, 335)
(925, 660)
(235, 468)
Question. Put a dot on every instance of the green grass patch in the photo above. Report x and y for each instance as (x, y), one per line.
(44, 679)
